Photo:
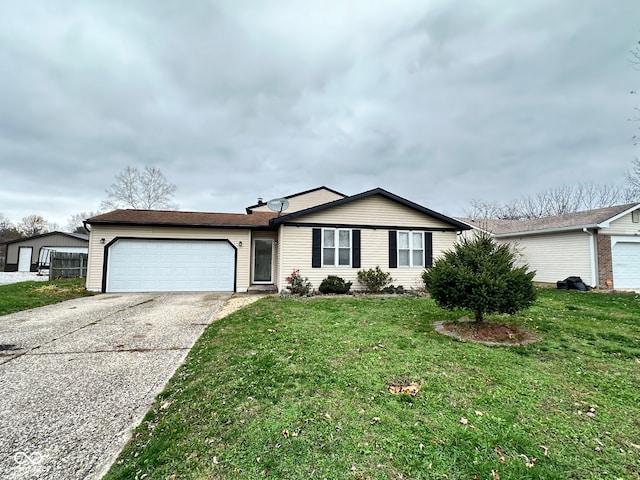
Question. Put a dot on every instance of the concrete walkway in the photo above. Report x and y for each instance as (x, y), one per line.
(76, 377)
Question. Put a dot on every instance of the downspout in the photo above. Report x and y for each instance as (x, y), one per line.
(592, 257)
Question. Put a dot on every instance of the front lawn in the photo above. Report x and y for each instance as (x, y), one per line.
(25, 295)
(300, 389)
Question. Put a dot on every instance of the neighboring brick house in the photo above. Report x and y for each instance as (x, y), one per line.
(601, 246)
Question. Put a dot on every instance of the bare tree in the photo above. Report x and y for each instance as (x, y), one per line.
(635, 60)
(7, 232)
(633, 180)
(556, 201)
(75, 224)
(147, 190)
(482, 209)
(32, 225)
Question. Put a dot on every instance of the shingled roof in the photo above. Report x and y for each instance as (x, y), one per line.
(577, 220)
(182, 219)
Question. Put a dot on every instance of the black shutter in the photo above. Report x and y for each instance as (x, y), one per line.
(355, 248)
(428, 249)
(316, 248)
(393, 249)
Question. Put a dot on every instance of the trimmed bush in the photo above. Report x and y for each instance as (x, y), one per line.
(374, 279)
(480, 275)
(393, 290)
(334, 284)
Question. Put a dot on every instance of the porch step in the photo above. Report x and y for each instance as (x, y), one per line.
(262, 289)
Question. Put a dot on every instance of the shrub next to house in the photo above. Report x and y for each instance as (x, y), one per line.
(374, 279)
(334, 284)
(480, 275)
(298, 285)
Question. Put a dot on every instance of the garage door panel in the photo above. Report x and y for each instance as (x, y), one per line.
(626, 265)
(145, 265)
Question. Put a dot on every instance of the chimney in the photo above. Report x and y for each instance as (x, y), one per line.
(260, 202)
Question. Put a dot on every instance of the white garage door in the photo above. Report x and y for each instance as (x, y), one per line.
(170, 266)
(625, 257)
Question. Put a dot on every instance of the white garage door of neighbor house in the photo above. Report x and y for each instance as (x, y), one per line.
(170, 266)
(625, 258)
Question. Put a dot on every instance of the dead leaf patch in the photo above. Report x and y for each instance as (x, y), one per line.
(411, 388)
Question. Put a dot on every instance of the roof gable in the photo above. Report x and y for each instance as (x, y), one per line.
(376, 191)
(314, 192)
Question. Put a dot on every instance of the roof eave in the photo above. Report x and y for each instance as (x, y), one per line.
(174, 224)
(546, 230)
(606, 223)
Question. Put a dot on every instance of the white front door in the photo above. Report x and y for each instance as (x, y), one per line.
(263, 260)
(24, 259)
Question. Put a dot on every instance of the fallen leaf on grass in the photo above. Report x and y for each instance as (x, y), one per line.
(530, 463)
(271, 330)
(412, 388)
(374, 420)
(634, 445)
(545, 449)
(165, 405)
(495, 474)
(285, 433)
(500, 456)
(479, 414)
(463, 421)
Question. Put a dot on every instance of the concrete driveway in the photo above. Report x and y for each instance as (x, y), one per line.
(76, 377)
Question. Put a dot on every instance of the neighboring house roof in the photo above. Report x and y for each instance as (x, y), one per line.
(79, 236)
(183, 219)
(598, 218)
(288, 197)
(376, 191)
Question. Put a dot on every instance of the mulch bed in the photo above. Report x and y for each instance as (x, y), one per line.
(487, 333)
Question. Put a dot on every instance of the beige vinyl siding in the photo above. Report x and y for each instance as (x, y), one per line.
(374, 210)
(374, 252)
(96, 249)
(308, 200)
(622, 226)
(555, 256)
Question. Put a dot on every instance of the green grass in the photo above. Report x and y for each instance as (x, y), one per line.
(298, 389)
(25, 295)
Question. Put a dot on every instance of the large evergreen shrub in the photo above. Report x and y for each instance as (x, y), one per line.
(480, 275)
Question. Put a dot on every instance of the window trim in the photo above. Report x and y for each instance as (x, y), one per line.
(336, 248)
(410, 234)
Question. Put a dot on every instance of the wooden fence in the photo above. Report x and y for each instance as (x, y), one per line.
(67, 265)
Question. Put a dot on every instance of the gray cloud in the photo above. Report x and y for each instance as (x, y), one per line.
(437, 101)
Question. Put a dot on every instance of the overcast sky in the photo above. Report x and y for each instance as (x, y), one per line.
(438, 101)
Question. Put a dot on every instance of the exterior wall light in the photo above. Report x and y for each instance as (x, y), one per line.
(240, 243)
(102, 241)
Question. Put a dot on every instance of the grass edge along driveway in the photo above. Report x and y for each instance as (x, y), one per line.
(15, 297)
(299, 389)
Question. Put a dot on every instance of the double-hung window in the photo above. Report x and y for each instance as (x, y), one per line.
(410, 249)
(336, 247)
